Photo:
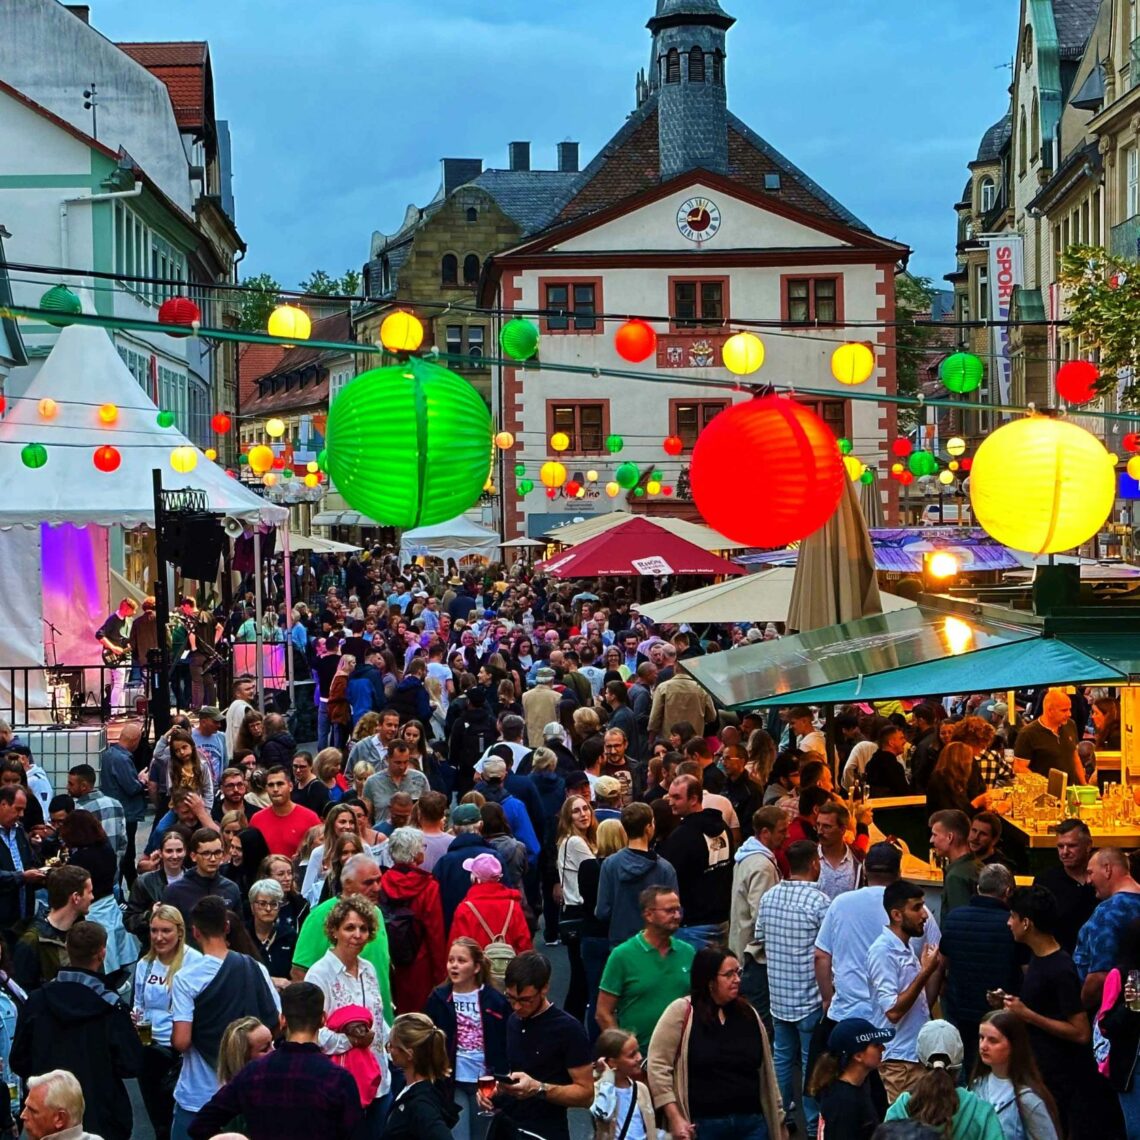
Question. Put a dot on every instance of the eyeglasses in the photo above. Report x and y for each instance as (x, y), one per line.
(522, 999)
(210, 854)
(726, 974)
(267, 904)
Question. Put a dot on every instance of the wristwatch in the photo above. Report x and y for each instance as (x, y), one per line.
(542, 1089)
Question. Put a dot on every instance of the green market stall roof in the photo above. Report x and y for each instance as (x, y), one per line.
(914, 652)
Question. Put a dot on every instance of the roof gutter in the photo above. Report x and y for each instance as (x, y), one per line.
(84, 199)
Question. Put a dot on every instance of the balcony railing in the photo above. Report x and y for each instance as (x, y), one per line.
(1134, 64)
(1126, 238)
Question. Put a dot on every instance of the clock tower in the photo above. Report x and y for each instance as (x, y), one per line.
(688, 74)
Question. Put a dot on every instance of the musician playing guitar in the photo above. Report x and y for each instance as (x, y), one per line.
(112, 635)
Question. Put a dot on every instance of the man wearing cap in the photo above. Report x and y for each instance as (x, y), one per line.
(491, 788)
(607, 796)
(540, 705)
(489, 909)
(847, 1108)
(453, 878)
(903, 984)
(211, 741)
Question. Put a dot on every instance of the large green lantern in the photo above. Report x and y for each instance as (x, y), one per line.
(922, 463)
(627, 475)
(519, 339)
(961, 372)
(60, 299)
(409, 445)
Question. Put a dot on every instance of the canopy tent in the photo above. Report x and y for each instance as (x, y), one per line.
(637, 548)
(696, 533)
(458, 539)
(521, 543)
(761, 597)
(342, 518)
(310, 542)
(921, 651)
(871, 503)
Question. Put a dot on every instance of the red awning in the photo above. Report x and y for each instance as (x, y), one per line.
(635, 549)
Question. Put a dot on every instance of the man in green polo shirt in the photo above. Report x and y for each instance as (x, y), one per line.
(648, 971)
(361, 876)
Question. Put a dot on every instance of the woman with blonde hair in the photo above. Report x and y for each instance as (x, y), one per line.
(365, 726)
(344, 847)
(339, 820)
(153, 1005)
(955, 784)
(421, 1110)
(595, 932)
(586, 723)
(244, 1040)
(576, 841)
(329, 768)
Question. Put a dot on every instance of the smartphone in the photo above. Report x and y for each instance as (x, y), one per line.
(996, 998)
(506, 1079)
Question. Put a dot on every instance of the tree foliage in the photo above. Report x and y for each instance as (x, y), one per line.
(322, 284)
(913, 299)
(260, 299)
(1103, 300)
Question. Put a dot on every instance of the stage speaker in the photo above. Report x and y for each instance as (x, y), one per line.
(194, 544)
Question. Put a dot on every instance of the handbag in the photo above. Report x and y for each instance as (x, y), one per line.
(570, 926)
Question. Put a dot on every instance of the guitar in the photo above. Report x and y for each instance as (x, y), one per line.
(116, 658)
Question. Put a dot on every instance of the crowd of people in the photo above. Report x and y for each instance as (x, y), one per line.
(358, 940)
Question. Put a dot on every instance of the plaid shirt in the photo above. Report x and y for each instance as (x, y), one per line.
(282, 1093)
(790, 916)
(109, 813)
(995, 769)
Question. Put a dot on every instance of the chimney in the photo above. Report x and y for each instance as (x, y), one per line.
(520, 155)
(568, 157)
(83, 11)
(459, 171)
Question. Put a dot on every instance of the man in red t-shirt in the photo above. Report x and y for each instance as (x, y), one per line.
(283, 823)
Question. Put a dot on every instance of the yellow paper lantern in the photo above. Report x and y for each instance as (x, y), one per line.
(613, 490)
(504, 440)
(312, 481)
(48, 408)
(653, 487)
(211, 454)
(591, 476)
(312, 467)
(108, 414)
(852, 363)
(559, 441)
(855, 467)
(946, 478)
(552, 474)
(743, 353)
(401, 332)
(260, 459)
(184, 459)
(1042, 485)
(955, 445)
(1133, 467)
(269, 479)
(897, 468)
(290, 322)
(275, 428)
(953, 465)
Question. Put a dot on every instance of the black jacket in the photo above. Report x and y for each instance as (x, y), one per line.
(187, 891)
(76, 1023)
(471, 735)
(982, 956)
(148, 889)
(12, 884)
(453, 880)
(494, 1010)
(279, 749)
(700, 850)
(423, 1112)
(926, 750)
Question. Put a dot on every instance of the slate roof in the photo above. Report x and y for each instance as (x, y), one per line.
(183, 67)
(689, 8)
(989, 150)
(1074, 20)
(629, 164)
(531, 198)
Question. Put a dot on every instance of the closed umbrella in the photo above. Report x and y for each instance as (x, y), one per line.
(835, 572)
(871, 502)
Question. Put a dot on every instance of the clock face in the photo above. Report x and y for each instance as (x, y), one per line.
(698, 219)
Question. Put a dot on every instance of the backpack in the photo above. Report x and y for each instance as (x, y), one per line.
(405, 930)
(475, 739)
(498, 952)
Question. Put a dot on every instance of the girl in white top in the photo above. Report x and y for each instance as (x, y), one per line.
(1006, 1076)
(152, 1002)
(345, 978)
(340, 820)
(623, 1106)
(577, 841)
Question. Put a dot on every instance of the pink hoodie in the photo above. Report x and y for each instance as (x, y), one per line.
(360, 1060)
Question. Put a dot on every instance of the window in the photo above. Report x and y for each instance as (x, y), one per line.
(1132, 182)
(832, 412)
(449, 269)
(688, 418)
(696, 66)
(718, 68)
(475, 341)
(455, 340)
(1095, 231)
(673, 66)
(771, 182)
(471, 269)
(586, 422)
(472, 214)
(1022, 144)
(1027, 47)
(809, 300)
(572, 304)
(699, 303)
(983, 290)
(1035, 127)
(337, 382)
(988, 195)
(142, 253)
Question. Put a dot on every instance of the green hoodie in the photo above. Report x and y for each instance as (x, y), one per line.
(974, 1120)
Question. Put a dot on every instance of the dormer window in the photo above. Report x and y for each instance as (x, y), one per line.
(673, 66)
(987, 195)
(696, 66)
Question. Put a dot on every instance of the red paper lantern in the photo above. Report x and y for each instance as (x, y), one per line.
(1131, 442)
(572, 488)
(906, 478)
(965, 464)
(1076, 381)
(551, 492)
(178, 311)
(790, 456)
(635, 341)
(107, 458)
(221, 423)
(279, 463)
(673, 445)
(666, 489)
(902, 448)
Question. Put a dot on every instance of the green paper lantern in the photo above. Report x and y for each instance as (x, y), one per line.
(243, 460)
(656, 476)
(844, 446)
(409, 445)
(525, 486)
(867, 477)
(520, 469)
(627, 475)
(33, 455)
(961, 372)
(614, 444)
(638, 492)
(519, 339)
(165, 419)
(60, 299)
(323, 460)
(922, 463)
(287, 473)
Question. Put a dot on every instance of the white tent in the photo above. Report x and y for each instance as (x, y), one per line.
(697, 533)
(458, 539)
(54, 554)
(760, 597)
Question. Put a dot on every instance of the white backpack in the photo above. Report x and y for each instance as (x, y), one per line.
(498, 952)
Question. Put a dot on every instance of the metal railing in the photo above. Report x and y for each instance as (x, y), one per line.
(1125, 238)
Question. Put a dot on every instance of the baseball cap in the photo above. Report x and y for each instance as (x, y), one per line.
(210, 713)
(607, 787)
(854, 1034)
(484, 867)
(1000, 708)
(494, 768)
(577, 780)
(465, 814)
(940, 1045)
(883, 857)
(545, 676)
